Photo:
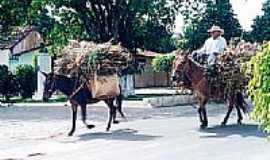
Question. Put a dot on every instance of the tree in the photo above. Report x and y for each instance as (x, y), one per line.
(134, 23)
(216, 12)
(13, 13)
(261, 27)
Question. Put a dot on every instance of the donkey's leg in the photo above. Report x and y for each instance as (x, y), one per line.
(115, 108)
(240, 117)
(83, 112)
(114, 116)
(112, 113)
(74, 118)
(119, 106)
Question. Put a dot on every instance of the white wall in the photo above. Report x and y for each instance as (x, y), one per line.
(4, 57)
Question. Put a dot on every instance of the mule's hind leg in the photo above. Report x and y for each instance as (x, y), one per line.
(240, 104)
(201, 117)
(205, 121)
(240, 117)
(74, 118)
(230, 108)
(84, 112)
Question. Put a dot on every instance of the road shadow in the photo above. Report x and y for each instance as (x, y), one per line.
(244, 130)
(121, 134)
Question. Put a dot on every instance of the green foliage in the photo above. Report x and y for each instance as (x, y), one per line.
(8, 85)
(35, 61)
(95, 58)
(259, 87)
(261, 27)
(154, 37)
(215, 12)
(146, 23)
(13, 13)
(163, 63)
(26, 77)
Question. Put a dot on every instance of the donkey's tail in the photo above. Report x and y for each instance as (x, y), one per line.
(241, 102)
(119, 100)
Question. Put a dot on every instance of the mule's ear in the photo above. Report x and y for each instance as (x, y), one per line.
(44, 74)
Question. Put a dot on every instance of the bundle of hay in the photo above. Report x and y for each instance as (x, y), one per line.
(88, 58)
(97, 65)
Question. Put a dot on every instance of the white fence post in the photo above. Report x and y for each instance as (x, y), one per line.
(44, 62)
(127, 85)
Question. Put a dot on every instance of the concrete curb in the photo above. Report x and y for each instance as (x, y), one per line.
(169, 101)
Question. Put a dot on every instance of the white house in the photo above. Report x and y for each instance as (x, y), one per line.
(19, 47)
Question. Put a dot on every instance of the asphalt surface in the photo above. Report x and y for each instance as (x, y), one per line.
(148, 134)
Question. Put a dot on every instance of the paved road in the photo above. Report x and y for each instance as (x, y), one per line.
(31, 133)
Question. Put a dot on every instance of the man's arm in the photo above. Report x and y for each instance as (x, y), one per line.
(223, 45)
(203, 49)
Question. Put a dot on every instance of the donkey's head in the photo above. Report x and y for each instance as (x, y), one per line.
(49, 86)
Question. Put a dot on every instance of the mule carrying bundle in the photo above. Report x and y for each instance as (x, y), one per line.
(97, 65)
(231, 63)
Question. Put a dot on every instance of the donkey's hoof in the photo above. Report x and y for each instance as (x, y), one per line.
(90, 126)
(116, 122)
(239, 122)
(70, 134)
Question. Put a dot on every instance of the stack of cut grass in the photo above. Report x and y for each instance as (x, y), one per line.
(89, 58)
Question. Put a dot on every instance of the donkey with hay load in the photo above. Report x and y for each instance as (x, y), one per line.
(88, 73)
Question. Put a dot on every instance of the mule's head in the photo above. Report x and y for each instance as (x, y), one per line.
(178, 66)
(49, 86)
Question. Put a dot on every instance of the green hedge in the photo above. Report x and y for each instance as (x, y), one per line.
(27, 79)
(163, 63)
(259, 87)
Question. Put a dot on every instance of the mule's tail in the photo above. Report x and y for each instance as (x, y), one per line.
(119, 100)
(241, 102)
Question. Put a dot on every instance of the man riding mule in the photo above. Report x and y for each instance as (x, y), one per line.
(192, 75)
(208, 55)
(213, 46)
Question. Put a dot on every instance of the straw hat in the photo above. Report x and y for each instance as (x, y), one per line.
(216, 28)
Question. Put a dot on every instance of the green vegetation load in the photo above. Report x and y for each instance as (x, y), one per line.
(231, 64)
(89, 58)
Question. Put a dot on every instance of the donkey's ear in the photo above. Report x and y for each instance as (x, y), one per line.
(44, 74)
(186, 52)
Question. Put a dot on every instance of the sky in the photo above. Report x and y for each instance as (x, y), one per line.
(246, 11)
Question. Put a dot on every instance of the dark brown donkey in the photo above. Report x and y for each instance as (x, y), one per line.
(82, 97)
(192, 76)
